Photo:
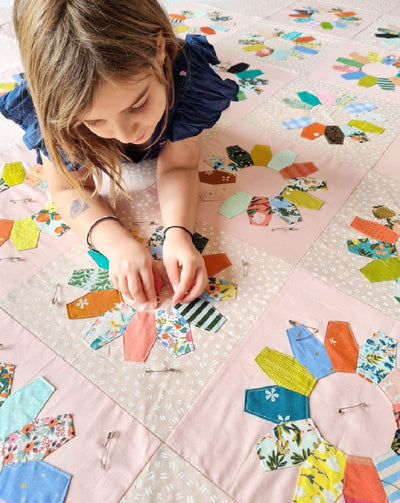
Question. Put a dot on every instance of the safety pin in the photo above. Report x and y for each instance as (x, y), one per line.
(284, 229)
(151, 222)
(25, 200)
(295, 323)
(107, 446)
(148, 371)
(1, 345)
(56, 297)
(389, 484)
(245, 268)
(362, 405)
(12, 259)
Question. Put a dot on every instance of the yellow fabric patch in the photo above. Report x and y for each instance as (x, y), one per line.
(13, 173)
(286, 371)
(24, 234)
(302, 199)
(368, 127)
(255, 47)
(50, 206)
(374, 57)
(321, 475)
(181, 29)
(261, 155)
(8, 86)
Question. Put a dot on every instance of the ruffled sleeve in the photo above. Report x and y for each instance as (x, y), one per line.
(17, 105)
(200, 93)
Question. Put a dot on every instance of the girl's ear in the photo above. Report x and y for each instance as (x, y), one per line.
(161, 49)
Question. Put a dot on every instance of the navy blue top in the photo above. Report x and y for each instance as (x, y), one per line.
(200, 97)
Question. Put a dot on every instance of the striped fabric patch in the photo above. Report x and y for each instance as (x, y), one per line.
(201, 314)
(386, 84)
(298, 169)
(388, 467)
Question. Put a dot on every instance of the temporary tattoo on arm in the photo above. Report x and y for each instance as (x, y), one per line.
(77, 207)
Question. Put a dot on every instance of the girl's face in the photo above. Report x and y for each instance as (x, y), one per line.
(127, 111)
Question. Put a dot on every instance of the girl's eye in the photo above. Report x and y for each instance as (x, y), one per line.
(135, 109)
(91, 124)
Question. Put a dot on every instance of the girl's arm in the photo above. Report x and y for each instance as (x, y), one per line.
(178, 189)
(131, 265)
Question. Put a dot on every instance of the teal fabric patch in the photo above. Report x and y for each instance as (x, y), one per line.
(371, 248)
(377, 357)
(24, 405)
(276, 404)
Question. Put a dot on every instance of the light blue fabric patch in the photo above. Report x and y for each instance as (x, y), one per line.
(297, 122)
(388, 468)
(285, 209)
(353, 75)
(276, 404)
(282, 159)
(280, 54)
(359, 108)
(236, 204)
(377, 357)
(305, 50)
(309, 351)
(33, 482)
(22, 406)
(338, 24)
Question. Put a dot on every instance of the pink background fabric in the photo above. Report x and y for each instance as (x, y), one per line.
(261, 181)
(94, 415)
(218, 419)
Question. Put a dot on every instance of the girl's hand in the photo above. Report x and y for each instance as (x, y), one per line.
(184, 265)
(132, 271)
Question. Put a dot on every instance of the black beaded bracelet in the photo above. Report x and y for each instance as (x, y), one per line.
(178, 227)
(108, 217)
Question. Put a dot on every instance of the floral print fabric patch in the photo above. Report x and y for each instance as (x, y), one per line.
(173, 331)
(321, 475)
(377, 357)
(109, 326)
(289, 444)
(6, 379)
(37, 439)
(91, 279)
(366, 247)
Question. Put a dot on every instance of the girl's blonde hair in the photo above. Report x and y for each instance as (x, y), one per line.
(67, 48)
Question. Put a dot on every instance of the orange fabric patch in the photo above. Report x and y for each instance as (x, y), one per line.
(216, 263)
(177, 16)
(395, 80)
(374, 230)
(304, 40)
(298, 170)
(158, 280)
(341, 346)
(361, 481)
(207, 30)
(313, 131)
(139, 337)
(5, 230)
(93, 304)
(358, 57)
(345, 14)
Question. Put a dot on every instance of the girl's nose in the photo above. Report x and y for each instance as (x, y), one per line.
(125, 132)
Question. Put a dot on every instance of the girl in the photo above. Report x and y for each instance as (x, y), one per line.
(107, 80)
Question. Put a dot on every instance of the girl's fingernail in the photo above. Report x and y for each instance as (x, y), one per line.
(175, 287)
